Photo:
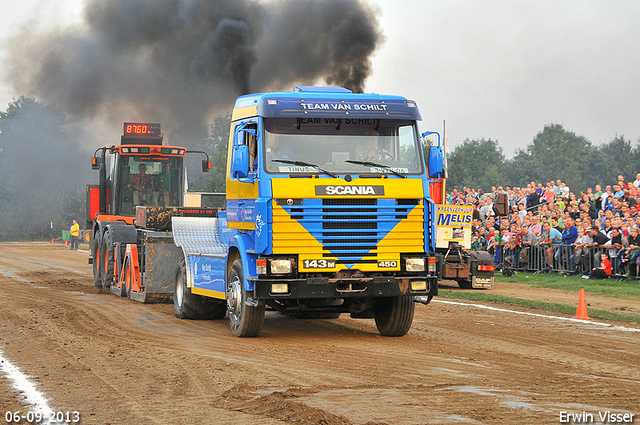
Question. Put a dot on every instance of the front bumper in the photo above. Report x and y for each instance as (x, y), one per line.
(373, 287)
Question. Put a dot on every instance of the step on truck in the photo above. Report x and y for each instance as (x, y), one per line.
(327, 212)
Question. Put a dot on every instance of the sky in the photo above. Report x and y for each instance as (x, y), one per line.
(497, 70)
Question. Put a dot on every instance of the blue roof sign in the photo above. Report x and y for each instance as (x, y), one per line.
(331, 102)
(360, 108)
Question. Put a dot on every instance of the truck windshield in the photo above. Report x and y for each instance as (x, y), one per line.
(148, 181)
(332, 142)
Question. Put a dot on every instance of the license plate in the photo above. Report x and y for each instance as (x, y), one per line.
(319, 264)
(483, 280)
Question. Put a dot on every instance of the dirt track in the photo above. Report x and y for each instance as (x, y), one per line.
(116, 361)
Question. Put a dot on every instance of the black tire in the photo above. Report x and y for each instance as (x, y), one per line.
(84, 236)
(128, 277)
(95, 250)
(327, 315)
(191, 306)
(245, 320)
(107, 260)
(465, 284)
(394, 315)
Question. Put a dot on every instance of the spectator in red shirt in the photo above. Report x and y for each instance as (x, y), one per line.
(621, 182)
(144, 187)
(604, 271)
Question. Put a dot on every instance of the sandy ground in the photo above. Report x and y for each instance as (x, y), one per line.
(117, 361)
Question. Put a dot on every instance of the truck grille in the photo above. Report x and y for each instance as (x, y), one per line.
(351, 229)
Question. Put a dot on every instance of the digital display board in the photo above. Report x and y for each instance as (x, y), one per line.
(140, 129)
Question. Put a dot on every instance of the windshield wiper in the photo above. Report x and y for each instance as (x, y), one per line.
(375, 164)
(306, 164)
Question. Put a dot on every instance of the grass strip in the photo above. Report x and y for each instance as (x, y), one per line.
(608, 287)
(540, 305)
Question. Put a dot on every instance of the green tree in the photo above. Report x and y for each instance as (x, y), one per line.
(42, 173)
(554, 153)
(216, 146)
(612, 159)
(476, 163)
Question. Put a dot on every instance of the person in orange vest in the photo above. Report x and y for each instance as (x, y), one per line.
(75, 233)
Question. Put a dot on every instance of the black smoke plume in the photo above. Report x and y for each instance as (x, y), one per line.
(180, 62)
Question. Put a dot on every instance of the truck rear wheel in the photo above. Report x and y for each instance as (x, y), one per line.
(394, 315)
(128, 278)
(464, 284)
(246, 320)
(95, 250)
(107, 260)
(191, 306)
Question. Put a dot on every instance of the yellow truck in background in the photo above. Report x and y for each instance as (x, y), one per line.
(470, 269)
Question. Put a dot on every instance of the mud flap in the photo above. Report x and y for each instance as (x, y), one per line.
(208, 273)
(481, 279)
(160, 268)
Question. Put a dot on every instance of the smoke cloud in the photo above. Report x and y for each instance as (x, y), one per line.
(180, 62)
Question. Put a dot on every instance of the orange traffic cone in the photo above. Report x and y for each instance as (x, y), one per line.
(51, 242)
(581, 312)
(66, 244)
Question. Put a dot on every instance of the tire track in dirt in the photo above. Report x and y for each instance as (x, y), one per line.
(85, 338)
(567, 350)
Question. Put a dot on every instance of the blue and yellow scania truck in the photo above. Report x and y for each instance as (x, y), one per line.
(328, 212)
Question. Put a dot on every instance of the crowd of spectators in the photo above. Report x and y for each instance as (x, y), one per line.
(548, 227)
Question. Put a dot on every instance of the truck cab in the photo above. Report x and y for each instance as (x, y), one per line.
(160, 175)
(139, 171)
(141, 187)
(328, 195)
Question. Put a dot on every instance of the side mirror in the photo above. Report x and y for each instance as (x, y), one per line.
(240, 161)
(436, 162)
(206, 166)
(95, 163)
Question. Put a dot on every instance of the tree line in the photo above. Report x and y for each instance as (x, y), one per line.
(44, 173)
(555, 153)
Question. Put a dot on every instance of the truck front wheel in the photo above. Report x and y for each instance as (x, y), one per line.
(246, 316)
(394, 315)
(191, 306)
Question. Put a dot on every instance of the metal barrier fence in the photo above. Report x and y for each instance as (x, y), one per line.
(565, 258)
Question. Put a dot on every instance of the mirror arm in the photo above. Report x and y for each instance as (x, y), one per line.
(206, 163)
